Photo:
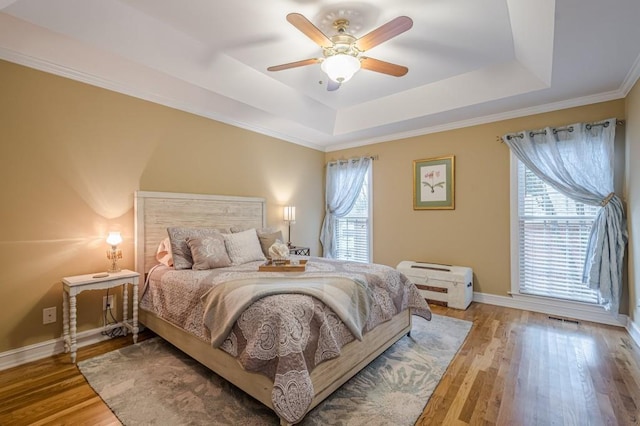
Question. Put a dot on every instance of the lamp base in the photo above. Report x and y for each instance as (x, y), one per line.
(113, 255)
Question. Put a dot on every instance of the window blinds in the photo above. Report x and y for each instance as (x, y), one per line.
(554, 231)
(353, 231)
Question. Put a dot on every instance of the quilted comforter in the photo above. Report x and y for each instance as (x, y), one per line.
(283, 336)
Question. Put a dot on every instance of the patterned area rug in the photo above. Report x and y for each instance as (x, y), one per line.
(154, 383)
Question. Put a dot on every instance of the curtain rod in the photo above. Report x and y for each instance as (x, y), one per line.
(371, 157)
(560, 129)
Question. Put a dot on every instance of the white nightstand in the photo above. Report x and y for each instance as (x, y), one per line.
(77, 284)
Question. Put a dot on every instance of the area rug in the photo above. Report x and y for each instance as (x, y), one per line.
(154, 383)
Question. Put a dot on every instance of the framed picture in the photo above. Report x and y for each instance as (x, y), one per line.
(433, 183)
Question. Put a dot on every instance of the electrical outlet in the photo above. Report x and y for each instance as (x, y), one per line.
(105, 302)
(49, 315)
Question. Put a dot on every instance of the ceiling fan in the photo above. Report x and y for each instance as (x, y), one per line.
(342, 52)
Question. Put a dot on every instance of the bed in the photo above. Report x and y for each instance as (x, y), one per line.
(157, 211)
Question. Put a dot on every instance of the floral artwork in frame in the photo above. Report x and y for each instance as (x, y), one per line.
(433, 183)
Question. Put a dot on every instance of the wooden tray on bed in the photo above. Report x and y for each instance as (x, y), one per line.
(269, 266)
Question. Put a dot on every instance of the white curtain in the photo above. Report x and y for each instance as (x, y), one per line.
(578, 162)
(343, 185)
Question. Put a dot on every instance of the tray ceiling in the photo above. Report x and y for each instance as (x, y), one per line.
(469, 62)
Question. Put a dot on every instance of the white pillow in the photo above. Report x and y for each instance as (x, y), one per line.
(163, 254)
(243, 247)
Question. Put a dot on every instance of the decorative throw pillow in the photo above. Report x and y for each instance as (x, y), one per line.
(163, 254)
(243, 247)
(179, 248)
(267, 240)
(209, 252)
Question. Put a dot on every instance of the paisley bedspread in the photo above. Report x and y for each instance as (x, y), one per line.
(283, 336)
(225, 302)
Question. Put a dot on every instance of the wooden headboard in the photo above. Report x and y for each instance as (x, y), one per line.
(156, 211)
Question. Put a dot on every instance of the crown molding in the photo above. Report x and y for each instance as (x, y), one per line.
(94, 80)
(632, 77)
(539, 109)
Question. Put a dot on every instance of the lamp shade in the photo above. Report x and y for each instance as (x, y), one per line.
(114, 238)
(340, 67)
(290, 213)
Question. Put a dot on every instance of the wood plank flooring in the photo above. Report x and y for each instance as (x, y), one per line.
(522, 368)
(515, 368)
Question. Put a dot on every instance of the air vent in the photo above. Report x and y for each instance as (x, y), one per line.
(571, 320)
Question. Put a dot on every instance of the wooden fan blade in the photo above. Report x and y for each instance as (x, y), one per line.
(294, 64)
(332, 85)
(308, 29)
(383, 67)
(384, 33)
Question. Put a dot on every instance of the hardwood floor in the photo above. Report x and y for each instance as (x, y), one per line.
(522, 368)
(515, 368)
(52, 391)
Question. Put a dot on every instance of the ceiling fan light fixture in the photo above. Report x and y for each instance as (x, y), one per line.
(342, 51)
(340, 67)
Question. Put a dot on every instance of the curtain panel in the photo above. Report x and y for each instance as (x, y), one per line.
(578, 162)
(344, 181)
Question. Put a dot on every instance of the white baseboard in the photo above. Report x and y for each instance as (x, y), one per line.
(560, 308)
(37, 351)
(634, 332)
(582, 312)
(579, 311)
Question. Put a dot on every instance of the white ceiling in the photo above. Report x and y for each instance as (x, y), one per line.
(469, 61)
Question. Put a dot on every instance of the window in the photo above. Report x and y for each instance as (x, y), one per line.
(552, 235)
(353, 232)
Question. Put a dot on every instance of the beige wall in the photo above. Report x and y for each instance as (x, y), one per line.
(632, 196)
(476, 233)
(72, 156)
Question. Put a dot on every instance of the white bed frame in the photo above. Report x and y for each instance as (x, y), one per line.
(155, 211)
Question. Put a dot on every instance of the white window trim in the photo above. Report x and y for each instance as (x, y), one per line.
(547, 305)
(370, 212)
(514, 228)
(370, 199)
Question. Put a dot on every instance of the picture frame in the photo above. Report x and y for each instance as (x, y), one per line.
(434, 183)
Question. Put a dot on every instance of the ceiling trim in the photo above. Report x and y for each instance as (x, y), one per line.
(631, 78)
(94, 80)
(534, 17)
(161, 53)
(6, 3)
(500, 81)
(570, 103)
